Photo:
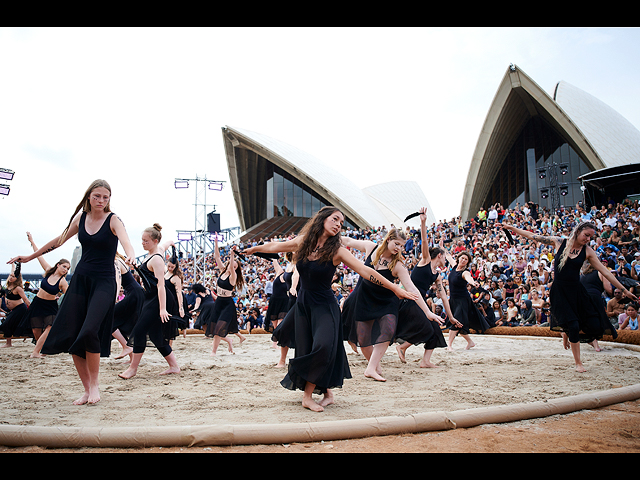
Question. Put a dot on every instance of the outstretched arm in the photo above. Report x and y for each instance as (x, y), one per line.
(346, 257)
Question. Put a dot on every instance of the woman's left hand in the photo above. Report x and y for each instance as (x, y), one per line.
(164, 315)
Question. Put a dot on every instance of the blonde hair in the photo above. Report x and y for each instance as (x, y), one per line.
(85, 204)
(572, 238)
(393, 234)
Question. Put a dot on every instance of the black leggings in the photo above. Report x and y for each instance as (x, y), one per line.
(149, 323)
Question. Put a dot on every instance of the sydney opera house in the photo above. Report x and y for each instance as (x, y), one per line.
(553, 150)
(278, 187)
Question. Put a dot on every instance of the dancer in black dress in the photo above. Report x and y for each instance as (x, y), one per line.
(465, 314)
(17, 303)
(596, 285)
(223, 318)
(320, 363)
(572, 310)
(279, 300)
(413, 326)
(83, 324)
(44, 307)
(176, 302)
(154, 314)
(127, 311)
(376, 309)
(283, 335)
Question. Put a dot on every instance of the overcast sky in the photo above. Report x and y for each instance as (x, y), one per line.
(141, 107)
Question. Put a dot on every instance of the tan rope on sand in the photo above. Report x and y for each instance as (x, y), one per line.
(252, 434)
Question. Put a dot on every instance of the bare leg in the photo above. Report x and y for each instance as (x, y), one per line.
(89, 371)
(426, 360)
(283, 357)
(373, 368)
(401, 349)
(575, 350)
(126, 350)
(173, 364)
(133, 366)
(40, 342)
(327, 399)
(452, 336)
(307, 401)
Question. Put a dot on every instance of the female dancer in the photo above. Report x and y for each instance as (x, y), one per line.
(17, 303)
(464, 310)
(572, 310)
(154, 310)
(44, 308)
(127, 311)
(223, 318)
(83, 324)
(596, 285)
(320, 363)
(413, 326)
(283, 335)
(174, 279)
(279, 300)
(376, 309)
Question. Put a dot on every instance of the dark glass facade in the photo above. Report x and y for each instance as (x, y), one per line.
(289, 197)
(541, 167)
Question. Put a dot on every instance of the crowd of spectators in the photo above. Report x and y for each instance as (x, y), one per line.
(514, 279)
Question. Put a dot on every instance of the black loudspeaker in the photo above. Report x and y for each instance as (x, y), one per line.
(213, 222)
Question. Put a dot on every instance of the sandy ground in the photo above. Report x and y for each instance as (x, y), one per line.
(244, 388)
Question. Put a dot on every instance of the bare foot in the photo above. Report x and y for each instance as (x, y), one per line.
(565, 342)
(400, 351)
(370, 373)
(125, 351)
(595, 345)
(311, 405)
(37, 355)
(82, 400)
(427, 365)
(171, 370)
(580, 368)
(128, 373)
(470, 345)
(354, 347)
(94, 396)
(327, 399)
(281, 365)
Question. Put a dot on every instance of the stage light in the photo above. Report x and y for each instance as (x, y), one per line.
(6, 174)
(544, 192)
(4, 189)
(542, 172)
(184, 236)
(215, 186)
(564, 190)
(564, 168)
(181, 183)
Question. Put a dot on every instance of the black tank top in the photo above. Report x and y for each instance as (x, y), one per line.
(98, 250)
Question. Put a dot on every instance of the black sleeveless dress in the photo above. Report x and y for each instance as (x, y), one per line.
(462, 306)
(222, 319)
(592, 283)
(278, 302)
(413, 325)
(85, 317)
(573, 310)
(149, 322)
(320, 357)
(373, 315)
(12, 325)
(128, 309)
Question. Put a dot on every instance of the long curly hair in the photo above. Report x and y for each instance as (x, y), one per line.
(312, 231)
(393, 234)
(572, 238)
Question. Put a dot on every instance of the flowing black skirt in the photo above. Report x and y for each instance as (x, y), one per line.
(320, 357)
(222, 319)
(414, 327)
(127, 311)
(85, 318)
(11, 325)
(466, 312)
(576, 313)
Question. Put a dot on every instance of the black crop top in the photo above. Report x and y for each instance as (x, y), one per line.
(50, 289)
